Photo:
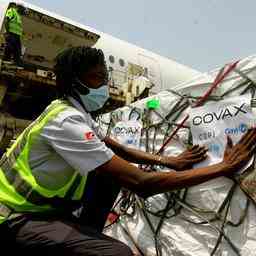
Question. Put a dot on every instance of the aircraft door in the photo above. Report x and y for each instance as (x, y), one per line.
(152, 71)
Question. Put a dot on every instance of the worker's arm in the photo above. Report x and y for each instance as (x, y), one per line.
(149, 183)
(181, 162)
(6, 24)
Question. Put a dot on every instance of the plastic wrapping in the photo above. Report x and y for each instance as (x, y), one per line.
(213, 218)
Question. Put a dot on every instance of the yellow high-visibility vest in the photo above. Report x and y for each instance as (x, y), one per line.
(15, 22)
(19, 189)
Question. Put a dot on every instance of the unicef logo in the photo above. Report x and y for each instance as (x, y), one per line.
(242, 128)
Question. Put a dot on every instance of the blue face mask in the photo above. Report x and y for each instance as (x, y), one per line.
(96, 98)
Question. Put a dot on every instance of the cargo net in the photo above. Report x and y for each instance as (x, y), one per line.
(217, 217)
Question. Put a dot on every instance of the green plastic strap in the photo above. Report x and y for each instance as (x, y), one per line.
(153, 104)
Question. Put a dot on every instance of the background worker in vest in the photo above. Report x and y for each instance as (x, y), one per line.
(63, 160)
(14, 30)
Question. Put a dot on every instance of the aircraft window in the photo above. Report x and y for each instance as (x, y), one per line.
(111, 58)
(121, 62)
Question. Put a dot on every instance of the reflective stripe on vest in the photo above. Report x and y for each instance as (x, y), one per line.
(26, 190)
(15, 22)
(14, 166)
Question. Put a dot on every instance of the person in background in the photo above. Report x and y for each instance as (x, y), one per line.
(63, 162)
(14, 31)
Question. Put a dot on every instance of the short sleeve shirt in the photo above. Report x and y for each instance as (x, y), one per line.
(70, 142)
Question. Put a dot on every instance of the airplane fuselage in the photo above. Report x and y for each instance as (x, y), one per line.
(123, 59)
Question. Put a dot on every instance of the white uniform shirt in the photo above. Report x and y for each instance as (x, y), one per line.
(71, 142)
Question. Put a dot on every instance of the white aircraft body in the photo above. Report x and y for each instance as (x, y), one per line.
(46, 33)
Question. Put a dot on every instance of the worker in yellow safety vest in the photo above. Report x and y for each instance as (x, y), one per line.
(14, 31)
(63, 162)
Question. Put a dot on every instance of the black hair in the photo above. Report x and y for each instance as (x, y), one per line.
(72, 63)
(22, 10)
(12, 4)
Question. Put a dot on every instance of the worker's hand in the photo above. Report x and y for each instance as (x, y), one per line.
(237, 156)
(185, 160)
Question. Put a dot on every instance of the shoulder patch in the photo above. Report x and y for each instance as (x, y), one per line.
(89, 135)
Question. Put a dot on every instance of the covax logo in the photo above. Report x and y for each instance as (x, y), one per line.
(126, 130)
(223, 114)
